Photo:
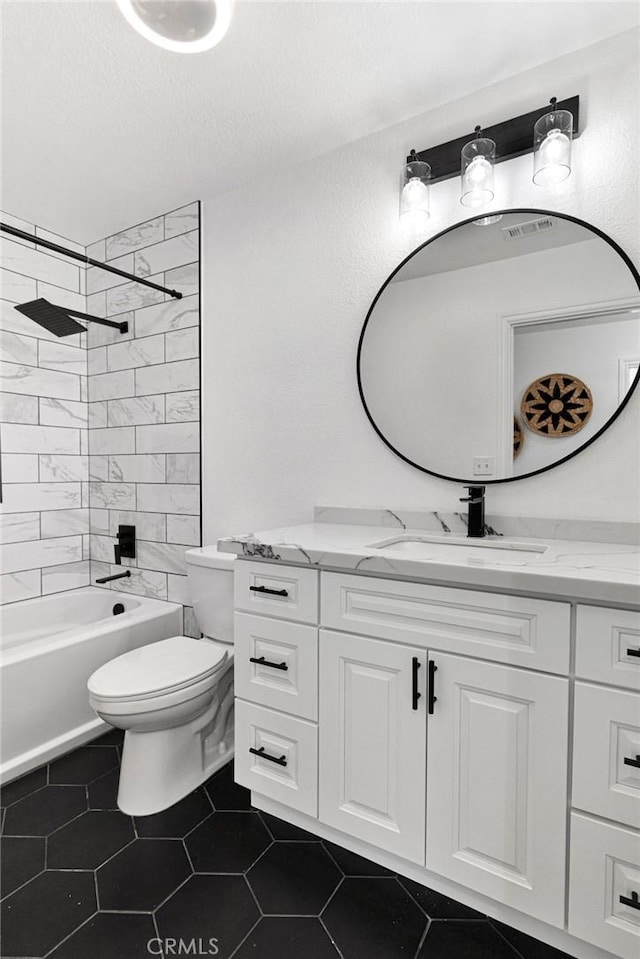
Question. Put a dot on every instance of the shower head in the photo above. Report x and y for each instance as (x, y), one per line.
(58, 319)
(53, 318)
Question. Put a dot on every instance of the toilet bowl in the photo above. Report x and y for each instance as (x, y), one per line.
(174, 697)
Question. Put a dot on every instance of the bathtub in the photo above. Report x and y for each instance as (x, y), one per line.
(49, 647)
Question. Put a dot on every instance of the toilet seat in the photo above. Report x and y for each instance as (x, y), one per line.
(158, 669)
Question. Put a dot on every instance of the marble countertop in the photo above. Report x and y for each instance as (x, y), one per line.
(597, 571)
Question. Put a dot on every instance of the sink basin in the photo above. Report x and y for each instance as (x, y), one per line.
(461, 550)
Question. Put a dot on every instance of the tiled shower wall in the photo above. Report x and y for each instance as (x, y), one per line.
(44, 516)
(144, 405)
(104, 428)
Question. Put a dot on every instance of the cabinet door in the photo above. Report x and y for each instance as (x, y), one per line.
(497, 783)
(373, 741)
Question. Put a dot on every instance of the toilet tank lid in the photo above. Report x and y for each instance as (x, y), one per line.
(210, 556)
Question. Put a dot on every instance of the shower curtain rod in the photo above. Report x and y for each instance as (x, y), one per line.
(13, 231)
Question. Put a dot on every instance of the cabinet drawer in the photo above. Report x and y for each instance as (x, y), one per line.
(507, 629)
(608, 646)
(605, 869)
(606, 757)
(293, 781)
(283, 591)
(287, 677)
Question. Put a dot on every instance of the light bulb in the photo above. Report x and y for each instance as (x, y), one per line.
(183, 26)
(552, 135)
(477, 171)
(415, 196)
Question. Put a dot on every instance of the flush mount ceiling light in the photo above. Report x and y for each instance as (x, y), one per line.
(182, 26)
(552, 135)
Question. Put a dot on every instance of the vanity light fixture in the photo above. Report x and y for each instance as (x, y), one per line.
(478, 158)
(182, 26)
(414, 193)
(552, 135)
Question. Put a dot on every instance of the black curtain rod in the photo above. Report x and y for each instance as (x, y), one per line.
(86, 259)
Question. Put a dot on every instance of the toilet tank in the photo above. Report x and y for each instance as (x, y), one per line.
(211, 588)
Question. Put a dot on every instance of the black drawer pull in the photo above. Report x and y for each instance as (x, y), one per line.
(433, 699)
(272, 759)
(633, 652)
(270, 592)
(634, 901)
(265, 662)
(632, 762)
(415, 695)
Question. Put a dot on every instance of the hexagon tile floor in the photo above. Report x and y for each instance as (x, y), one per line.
(80, 880)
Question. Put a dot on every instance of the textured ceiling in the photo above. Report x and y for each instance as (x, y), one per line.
(101, 129)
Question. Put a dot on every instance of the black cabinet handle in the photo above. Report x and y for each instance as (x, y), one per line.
(634, 901)
(632, 762)
(270, 592)
(282, 761)
(433, 699)
(415, 695)
(265, 662)
(633, 652)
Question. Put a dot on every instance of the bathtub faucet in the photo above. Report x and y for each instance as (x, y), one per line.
(107, 579)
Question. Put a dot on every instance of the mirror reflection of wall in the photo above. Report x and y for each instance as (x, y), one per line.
(476, 315)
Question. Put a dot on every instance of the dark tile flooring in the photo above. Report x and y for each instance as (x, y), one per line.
(80, 880)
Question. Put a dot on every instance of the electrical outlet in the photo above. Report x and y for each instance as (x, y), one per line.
(482, 465)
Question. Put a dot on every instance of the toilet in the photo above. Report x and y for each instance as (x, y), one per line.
(174, 698)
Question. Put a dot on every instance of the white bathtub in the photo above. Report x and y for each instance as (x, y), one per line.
(49, 647)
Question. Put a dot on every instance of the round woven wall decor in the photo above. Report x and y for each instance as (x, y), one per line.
(557, 404)
(518, 436)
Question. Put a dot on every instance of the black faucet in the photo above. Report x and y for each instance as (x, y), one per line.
(126, 545)
(475, 499)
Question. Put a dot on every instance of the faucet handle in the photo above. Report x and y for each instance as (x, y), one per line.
(476, 494)
(118, 554)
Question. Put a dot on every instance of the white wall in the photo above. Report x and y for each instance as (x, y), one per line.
(291, 264)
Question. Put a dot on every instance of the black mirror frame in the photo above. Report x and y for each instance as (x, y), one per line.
(543, 469)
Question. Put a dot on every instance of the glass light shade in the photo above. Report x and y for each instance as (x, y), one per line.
(414, 193)
(478, 158)
(182, 26)
(552, 136)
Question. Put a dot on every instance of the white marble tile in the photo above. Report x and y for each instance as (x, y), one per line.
(174, 252)
(18, 349)
(136, 411)
(99, 468)
(170, 498)
(178, 589)
(67, 298)
(143, 582)
(65, 522)
(22, 497)
(59, 356)
(85, 495)
(168, 377)
(19, 224)
(84, 389)
(101, 336)
(35, 382)
(190, 625)
(18, 408)
(97, 360)
(97, 570)
(17, 288)
(168, 438)
(99, 522)
(19, 438)
(84, 442)
(165, 557)
(63, 469)
(83, 282)
(113, 495)
(182, 344)
(182, 220)
(15, 587)
(15, 322)
(132, 353)
(42, 552)
(98, 280)
(135, 237)
(133, 296)
(70, 413)
(137, 469)
(18, 527)
(97, 250)
(149, 526)
(184, 279)
(61, 241)
(37, 263)
(183, 407)
(19, 468)
(183, 529)
(164, 317)
(111, 386)
(102, 550)
(183, 468)
(56, 579)
(118, 439)
(98, 415)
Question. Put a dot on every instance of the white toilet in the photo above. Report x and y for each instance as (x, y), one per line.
(174, 698)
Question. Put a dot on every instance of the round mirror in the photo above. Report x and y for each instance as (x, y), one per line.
(502, 346)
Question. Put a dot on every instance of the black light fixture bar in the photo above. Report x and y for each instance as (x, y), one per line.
(513, 138)
(13, 231)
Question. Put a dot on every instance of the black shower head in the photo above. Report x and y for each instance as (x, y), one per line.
(53, 318)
